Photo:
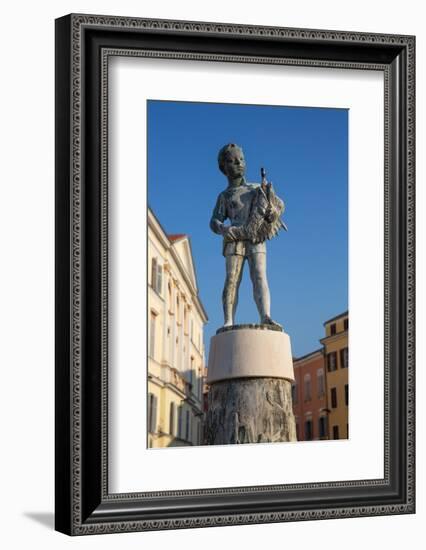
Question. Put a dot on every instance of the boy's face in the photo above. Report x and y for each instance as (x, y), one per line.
(234, 164)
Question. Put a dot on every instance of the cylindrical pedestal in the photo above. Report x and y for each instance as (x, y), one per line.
(250, 410)
(250, 371)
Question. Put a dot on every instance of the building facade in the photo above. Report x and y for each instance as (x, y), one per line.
(309, 394)
(336, 354)
(176, 361)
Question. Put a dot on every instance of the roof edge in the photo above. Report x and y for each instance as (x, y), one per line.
(345, 313)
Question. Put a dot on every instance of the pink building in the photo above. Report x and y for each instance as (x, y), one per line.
(309, 394)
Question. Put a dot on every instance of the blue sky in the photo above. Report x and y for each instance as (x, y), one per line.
(305, 153)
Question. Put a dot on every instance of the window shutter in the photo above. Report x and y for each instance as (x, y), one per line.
(332, 361)
(188, 425)
(320, 382)
(200, 385)
(199, 433)
(308, 430)
(344, 356)
(172, 419)
(154, 273)
(159, 287)
(149, 411)
(180, 421)
(322, 426)
(333, 398)
(307, 387)
(152, 335)
(154, 414)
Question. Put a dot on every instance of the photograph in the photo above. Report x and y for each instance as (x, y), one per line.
(247, 263)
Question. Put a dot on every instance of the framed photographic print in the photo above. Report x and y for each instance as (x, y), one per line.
(234, 274)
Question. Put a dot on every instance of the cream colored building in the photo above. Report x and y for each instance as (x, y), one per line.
(176, 319)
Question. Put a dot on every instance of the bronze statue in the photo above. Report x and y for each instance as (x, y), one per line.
(254, 213)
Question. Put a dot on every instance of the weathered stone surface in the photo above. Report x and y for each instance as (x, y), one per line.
(255, 410)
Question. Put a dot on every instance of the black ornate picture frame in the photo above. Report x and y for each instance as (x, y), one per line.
(84, 43)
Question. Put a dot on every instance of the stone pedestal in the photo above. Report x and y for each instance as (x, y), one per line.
(250, 370)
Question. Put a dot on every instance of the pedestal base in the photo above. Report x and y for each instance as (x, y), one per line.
(252, 410)
(250, 371)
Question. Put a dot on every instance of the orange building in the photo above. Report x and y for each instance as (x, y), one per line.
(309, 393)
(336, 353)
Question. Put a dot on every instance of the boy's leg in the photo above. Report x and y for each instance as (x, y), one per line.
(234, 271)
(257, 264)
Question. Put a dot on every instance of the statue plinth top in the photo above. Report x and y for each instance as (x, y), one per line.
(252, 326)
(250, 351)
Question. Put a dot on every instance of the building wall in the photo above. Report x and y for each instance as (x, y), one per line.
(310, 397)
(175, 342)
(337, 369)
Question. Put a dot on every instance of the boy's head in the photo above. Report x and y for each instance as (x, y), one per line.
(231, 160)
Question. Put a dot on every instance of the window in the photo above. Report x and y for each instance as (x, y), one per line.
(191, 374)
(188, 426)
(152, 412)
(308, 430)
(153, 272)
(180, 422)
(156, 276)
(152, 327)
(320, 382)
(344, 358)
(346, 394)
(172, 420)
(322, 426)
(333, 398)
(333, 329)
(335, 432)
(332, 361)
(346, 324)
(159, 286)
(307, 387)
(200, 384)
(200, 432)
(294, 393)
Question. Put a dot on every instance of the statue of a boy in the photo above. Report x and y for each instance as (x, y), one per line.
(254, 212)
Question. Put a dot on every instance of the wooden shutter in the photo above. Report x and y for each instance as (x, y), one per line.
(154, 414)
(159, 285)
(154, 273)
(180, 421)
